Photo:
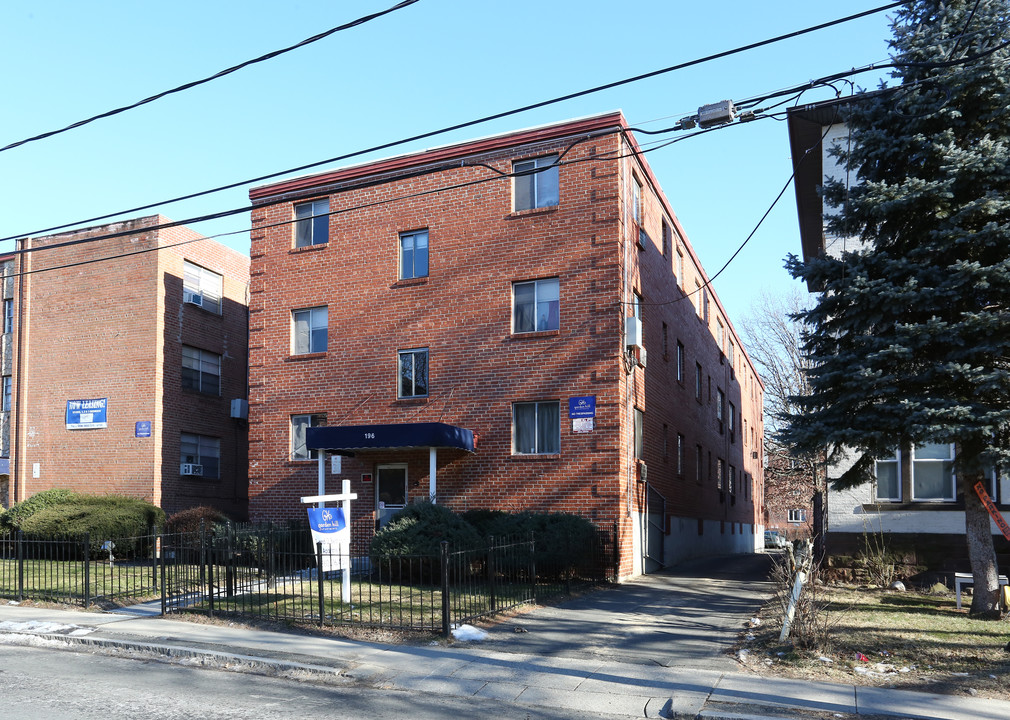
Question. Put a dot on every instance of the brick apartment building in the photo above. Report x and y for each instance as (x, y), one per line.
(516, 322)
(123, 348)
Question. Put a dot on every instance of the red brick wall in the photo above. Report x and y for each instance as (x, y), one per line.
(113, 329)
(478, 368)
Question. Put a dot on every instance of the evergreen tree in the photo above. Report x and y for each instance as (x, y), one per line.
(910, 337)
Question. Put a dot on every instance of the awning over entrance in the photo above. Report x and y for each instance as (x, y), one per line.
(374, 437)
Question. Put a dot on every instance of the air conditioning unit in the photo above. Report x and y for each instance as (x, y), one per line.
(240, 409)
(193, 298)
(643, 472)
(191, 469)
(633, 332)
(638, 352)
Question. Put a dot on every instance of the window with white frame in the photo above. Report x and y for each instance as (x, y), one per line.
(312, 223)
(413, 373)
(9, 315)
(680, 361)
(720, 408)
(933, 472)
(6, 407)
(201, 451)
(720, 335)
(680, 454)
(731, 421)
(201, 370)
(413, 254)
(636, 201)
(201, 287)
(536, 305)
(681, 280)
(536, 428)
(535, 182)
(796, 516)
(309, 330)
(299, 424)
(720, 474)
(639, 434)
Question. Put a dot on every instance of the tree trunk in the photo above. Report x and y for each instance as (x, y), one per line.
(981, 550)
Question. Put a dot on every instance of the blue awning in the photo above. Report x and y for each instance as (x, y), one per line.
(374, 437)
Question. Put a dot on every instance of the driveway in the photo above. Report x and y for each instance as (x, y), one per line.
(688, 615)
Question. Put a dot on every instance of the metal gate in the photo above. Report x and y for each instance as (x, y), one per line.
(654, 530)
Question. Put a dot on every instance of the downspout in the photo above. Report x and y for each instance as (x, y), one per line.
(18, 489)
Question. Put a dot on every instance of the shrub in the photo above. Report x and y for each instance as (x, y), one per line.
(420, 528)
(189, 520)
(13, 518)
(127, 521)
(488, 522)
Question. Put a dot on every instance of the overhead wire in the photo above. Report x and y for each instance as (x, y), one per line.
(466, 124)
(227, 71)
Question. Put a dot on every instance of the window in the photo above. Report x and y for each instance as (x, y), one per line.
(8, 315)
(732, 353)
(720, 335)
(680, 361)
(536, 182)
(888, 475)
(639, 434)
(312, 226)
(413, 366)
(201, 287)
(720, 474)
(299, 424)
(414, 254)
(537, 306)
(203, 451)
(536, 428)
(636, 201)
(797, 516)
(680, 454)
(6, 407)
(201, 370)
(698, 387)
(680, 268)
(732, 480)
(731, 421)
(666, 238)
(697, 299)
(933, 472)
(720, 407)
(308, 330)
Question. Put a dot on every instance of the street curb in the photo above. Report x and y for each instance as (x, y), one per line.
(233, 662)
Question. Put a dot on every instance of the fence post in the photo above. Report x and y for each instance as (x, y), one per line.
(229, 566)
(444, 546)
(319, 579)
(209, 554)
(161, 566)
(617, 555)
(533, 565)
(570, 565)
(21, 566)
(87, 569)
(491, 573)
(153, 543)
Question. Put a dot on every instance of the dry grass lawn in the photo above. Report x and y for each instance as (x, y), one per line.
(865, 636)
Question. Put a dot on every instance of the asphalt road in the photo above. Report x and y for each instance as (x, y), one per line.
(65, 685)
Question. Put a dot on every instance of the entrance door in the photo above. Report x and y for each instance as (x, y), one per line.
(390, 491)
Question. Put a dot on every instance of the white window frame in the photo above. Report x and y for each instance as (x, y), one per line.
(952, 485)
(896, 461)
(311, 218)
(542, 445)
(9, 315)
(636, 201)
(8, 385)
(317, 319)
(204, 363)
(412, 354)
(545, 184)
(298, 424)
(639, 434)
(413, 236)
(544, 287)
(796, 515)
(202, 287)
(208, 453)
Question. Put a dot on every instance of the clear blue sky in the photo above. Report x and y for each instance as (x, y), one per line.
(435, 63)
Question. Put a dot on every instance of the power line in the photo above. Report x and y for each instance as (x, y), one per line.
(215, 76)
(469, 123)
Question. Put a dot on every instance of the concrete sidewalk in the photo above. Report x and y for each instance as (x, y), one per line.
(622, 677)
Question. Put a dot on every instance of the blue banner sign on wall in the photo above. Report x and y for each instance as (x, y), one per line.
(87, 414)
(582, 407)
(142, 429)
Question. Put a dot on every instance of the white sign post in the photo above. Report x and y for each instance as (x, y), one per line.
(340, 536)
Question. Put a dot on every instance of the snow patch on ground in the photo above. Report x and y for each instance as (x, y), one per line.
(468, 633)
(36, 627)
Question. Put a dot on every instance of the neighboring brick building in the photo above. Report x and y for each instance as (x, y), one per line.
(789, 495)
(443, 315)
(125, 355)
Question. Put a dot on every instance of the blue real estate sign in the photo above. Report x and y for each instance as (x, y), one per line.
(87, 414)
(582, 407)
(329, 527)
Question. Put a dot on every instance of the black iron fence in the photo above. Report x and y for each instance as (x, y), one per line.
(277, 573)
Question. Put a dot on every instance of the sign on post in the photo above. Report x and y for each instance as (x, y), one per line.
(330, 528)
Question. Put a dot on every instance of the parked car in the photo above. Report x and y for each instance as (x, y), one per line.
(774, 540)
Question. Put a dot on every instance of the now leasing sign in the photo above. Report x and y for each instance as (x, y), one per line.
(994, 513)
(87, 414)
